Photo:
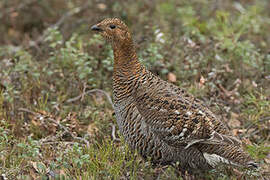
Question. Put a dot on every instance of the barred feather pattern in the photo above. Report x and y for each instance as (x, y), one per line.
(163, 121)
(152, 121)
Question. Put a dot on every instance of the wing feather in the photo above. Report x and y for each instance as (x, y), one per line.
(177, 117)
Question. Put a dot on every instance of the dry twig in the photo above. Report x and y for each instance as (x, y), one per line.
(113, 133)
(58, 124)
(89, 92)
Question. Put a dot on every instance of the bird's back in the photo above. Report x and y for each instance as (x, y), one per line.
(169, 125)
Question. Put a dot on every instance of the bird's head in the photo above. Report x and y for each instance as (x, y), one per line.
(113, 29)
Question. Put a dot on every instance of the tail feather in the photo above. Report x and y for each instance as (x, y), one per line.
(226, 154)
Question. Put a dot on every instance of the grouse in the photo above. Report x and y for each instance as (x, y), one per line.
(162, 121)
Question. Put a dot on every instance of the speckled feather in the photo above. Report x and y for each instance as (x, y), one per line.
(161, 120)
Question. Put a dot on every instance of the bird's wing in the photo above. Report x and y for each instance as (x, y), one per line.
(177, 117)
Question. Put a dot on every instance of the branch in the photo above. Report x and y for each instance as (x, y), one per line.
(113, 133)
(89, 92)
(66, 130)
(58, 124)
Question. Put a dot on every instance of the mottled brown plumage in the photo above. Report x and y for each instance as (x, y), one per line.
(161, 120)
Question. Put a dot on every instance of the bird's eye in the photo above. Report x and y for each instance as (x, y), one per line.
(112, 26)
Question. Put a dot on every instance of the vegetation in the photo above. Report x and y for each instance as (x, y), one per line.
(217, 50)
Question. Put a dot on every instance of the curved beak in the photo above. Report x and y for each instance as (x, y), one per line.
(96, 28)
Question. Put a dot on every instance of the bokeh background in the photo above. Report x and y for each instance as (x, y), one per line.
(56, 118)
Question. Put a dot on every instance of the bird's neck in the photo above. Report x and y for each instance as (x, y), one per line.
(125, 58)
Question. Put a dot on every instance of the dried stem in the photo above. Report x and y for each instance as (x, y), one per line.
(113, 133)
(89, 92)
(66, 130)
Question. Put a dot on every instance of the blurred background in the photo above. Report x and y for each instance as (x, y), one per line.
(56, 118)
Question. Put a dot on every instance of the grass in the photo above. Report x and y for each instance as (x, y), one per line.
(218, 51)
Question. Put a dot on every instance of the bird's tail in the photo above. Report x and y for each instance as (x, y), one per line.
(227, 154)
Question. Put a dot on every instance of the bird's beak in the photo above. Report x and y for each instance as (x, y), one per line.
(96, 28)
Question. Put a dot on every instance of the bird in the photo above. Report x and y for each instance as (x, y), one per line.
(162, 121)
